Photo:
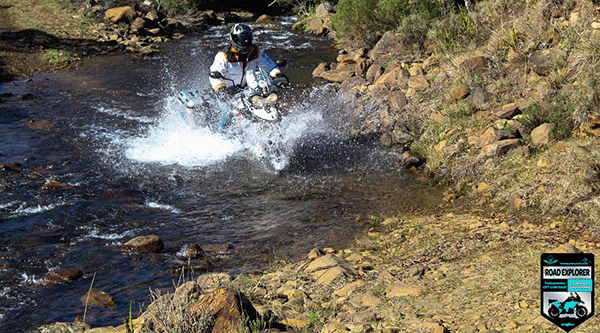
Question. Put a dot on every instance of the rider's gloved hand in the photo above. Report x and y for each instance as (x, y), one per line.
(281, 80)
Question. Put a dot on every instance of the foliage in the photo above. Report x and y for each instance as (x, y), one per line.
(453, 31)
(57, 57)
(559, 114)
(176, 7)
(366, 20)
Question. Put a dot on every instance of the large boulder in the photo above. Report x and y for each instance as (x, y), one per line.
(230, 309)
(388, 44)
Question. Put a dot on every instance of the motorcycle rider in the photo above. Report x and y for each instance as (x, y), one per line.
(238, 55)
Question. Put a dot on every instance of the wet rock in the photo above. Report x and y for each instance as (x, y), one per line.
(62, 275)
(542, 134)
(56, 185)
(10, 167)
(98, 298)
(230, 309)
(194, 251)
(120, 14)
(214, 249)
(43, 125)
(144, 244)
(411, 159)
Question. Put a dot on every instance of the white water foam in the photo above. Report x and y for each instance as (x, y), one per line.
(173, 140)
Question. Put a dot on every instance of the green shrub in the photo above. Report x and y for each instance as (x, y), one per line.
(559, 114)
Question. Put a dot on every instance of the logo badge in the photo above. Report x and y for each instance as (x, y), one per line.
(567, 288)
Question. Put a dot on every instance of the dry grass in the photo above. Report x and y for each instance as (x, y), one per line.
(170, 313)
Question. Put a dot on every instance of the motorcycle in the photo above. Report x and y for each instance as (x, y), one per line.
(257, 102)
(571, 305)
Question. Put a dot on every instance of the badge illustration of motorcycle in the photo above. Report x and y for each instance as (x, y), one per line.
(567, 288)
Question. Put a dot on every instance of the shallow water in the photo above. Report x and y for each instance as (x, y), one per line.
(134, 167)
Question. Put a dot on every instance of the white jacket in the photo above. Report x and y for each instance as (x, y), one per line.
(233, 66)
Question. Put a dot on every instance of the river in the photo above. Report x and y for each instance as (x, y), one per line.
(111, 133)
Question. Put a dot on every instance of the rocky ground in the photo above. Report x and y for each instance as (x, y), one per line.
(473, 265)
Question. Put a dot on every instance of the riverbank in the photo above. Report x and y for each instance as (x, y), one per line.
(445, 271)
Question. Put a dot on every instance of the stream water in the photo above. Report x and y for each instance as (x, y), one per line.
(131, 166)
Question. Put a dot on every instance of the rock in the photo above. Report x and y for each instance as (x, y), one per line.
(10, 166)
(508, 111)
(231, 310)
(324, 262)
(321, 68)
(459, 92)
(411, 159)
(329, 275)
(212, 281)
(476, 65)
(43, 125)
(365, 300)
(322, 11)
(315, 253)
(362, 66)
(401, 289)
(62, 275)
(56, 185)
(144, 244)
(418, 82)
(488, 137)
(387, 45)
(63, 328)
(194, 251)
(480, 98)
(317, 26)
(348, 289)
(338, 75)
(120, 14)
(265, 20)
(593, 124)
(397, 100)
(98, 298)
(215, 249)
(374, 71)
(543, 62)
(542, 134)
(499, 148)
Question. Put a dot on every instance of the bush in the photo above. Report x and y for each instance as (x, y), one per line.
(367, 20)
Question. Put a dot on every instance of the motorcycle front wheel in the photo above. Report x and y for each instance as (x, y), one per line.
(580, 311)
(553, 312)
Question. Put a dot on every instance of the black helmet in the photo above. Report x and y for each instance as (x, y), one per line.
(241, 37)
